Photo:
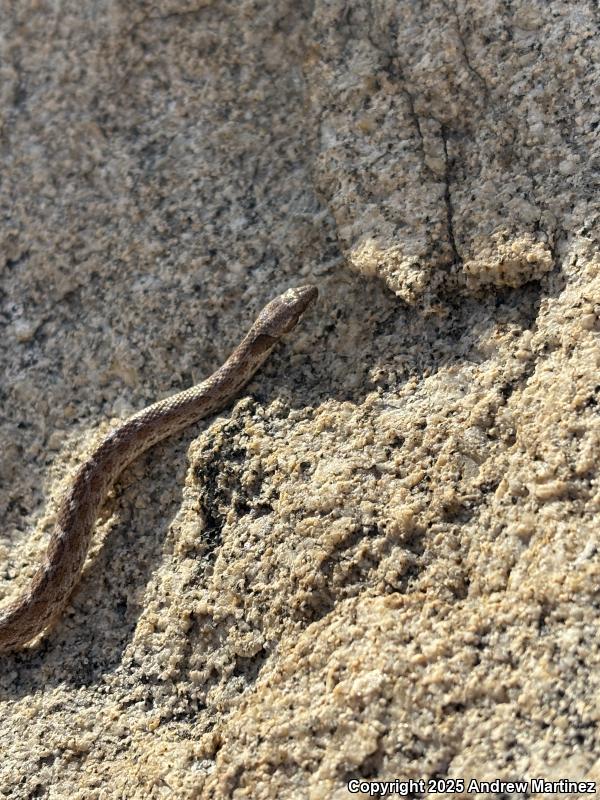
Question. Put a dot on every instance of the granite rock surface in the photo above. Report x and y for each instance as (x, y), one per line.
(383, 561)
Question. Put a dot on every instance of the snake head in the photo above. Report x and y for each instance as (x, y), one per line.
(282, 314)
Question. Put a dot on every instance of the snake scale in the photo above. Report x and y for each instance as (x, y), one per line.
(52, 584)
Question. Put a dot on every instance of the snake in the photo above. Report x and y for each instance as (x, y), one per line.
(40, 606)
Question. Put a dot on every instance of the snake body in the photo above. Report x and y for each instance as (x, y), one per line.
(56, 577)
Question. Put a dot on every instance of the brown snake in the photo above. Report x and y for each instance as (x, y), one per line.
(58, 574)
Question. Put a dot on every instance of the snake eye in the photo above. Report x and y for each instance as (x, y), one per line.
(301, 297)
(282, 313)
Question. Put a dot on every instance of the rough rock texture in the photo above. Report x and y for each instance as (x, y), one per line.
(384, 561)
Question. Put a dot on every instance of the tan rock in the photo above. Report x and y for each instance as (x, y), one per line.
(383, 561)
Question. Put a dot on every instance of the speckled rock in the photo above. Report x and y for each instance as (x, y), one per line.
(383, 561)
